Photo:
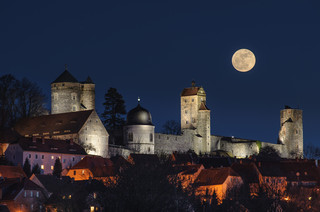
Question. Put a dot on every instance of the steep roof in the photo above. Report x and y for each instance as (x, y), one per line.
(203, 106)
(190, 91)
(248, 172)
(65, 77)
(143, 159)
(52, 146)
(11, 172)
(99, 166)
(215, 176)
(55, 124)
(54, 184)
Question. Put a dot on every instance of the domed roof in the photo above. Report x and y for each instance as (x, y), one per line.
(139, 116)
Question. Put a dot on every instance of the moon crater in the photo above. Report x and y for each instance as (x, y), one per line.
(243, 60)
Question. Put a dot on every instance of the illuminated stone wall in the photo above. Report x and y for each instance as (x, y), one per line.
(94, 133)
(65, 97)
(87, 96)
(142, 138)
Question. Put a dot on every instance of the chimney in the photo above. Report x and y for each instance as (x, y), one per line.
(42, 140)
(34, 139)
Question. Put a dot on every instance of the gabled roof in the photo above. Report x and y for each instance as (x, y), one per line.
(51, 146)
(8, 135)
(301, 170)
(248, 172)
(55, 124)
(54, 184)
(187, 169)
(99, 166)
(190, 91)
(203, 106)
(65, 77)
(215, 176)
(12, 172)
(181, 158)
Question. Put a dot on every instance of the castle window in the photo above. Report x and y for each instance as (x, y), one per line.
(149, 149)
(62, 84)
(130, 136)
(151, 137)
(297, 132)
(36, 156)
(186, 111)
(185, 101)
(193, 120)
(55, 96)
(192, 100)
(74, 108)
(187, 122)
(73, 96)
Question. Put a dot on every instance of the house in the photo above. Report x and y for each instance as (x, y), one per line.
(274, 180)
(22, 195)
(250, 175)
(93, 167)
(83, 127)
(187, 174)
(219, 180)
(7, 136)
(10, 172)
(181, 158)
(44, 152)
(148, 160)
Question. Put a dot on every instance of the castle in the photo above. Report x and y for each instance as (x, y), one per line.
(74, 117)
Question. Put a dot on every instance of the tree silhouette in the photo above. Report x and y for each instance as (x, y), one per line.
(114, 110)
(171, 127)
(36, 169)
(57, 168)
(27, 167)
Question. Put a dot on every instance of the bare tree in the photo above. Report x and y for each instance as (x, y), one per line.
(171, 127)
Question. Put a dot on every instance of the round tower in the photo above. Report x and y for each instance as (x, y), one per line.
(291, 132)
(65, 94)
(139, 131)
(87, 97)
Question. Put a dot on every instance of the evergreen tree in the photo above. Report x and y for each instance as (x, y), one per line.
(114, 110)
(27, 167)
(36, 169)
(57, 168)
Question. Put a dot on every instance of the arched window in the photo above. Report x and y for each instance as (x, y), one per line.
(130, 136)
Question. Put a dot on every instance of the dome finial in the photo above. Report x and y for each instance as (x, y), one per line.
(139, 100)
(193, 83)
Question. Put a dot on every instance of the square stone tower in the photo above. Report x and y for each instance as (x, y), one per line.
(195, 115)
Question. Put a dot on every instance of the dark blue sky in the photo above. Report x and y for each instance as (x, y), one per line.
(153, 49)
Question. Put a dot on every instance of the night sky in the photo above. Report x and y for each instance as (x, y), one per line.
(153, 49)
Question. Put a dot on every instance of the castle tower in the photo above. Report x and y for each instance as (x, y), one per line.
(87, 96)
(139, 131)
(65, 94)
(291, 132)
(195, 114)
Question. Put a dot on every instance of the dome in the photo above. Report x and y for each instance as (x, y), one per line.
(139, 116)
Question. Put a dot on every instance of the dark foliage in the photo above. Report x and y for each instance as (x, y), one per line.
(36, 169)
(268, 153)
(311, 152)
(27, 167)
(57, 169)
(19, 99)
(146, 188)
(113, 115)
(171, 127)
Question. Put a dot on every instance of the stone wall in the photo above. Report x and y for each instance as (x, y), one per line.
(94, 133)
(115, 150)
(87, 96)
(65, 97)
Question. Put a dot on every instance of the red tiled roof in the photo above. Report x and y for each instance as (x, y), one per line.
(144, 159)
(188, 169)
(55, 124)
(99, 166)
(215, 176)
(190, 91)
(11, 172)
(203, 106)
(248, 172)
(50, 145)
(181, 158)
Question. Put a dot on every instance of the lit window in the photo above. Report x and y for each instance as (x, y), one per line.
(91, 208)
(37, 193)
(52, 157)
(25, 194)
(51, 167)
(82, 171)
(69, 196)
(42, 166)
(31, 193)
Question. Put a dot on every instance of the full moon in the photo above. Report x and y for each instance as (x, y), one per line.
(243, 60)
